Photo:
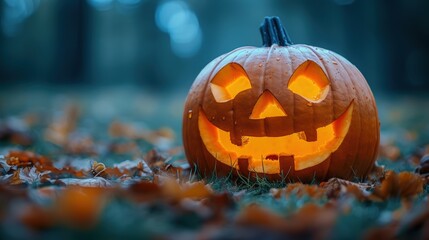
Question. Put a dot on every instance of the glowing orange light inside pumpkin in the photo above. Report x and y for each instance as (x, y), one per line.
(228, 82)
(260, 150)
(267, 106)
(310, 82)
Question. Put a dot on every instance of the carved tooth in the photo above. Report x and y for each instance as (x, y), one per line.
(235, 138)
(243, 165)
(311, 135)
(286, 164)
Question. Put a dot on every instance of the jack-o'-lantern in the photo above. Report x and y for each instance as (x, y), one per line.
(281, 111)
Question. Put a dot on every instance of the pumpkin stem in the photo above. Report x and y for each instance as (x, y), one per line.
(273, 32)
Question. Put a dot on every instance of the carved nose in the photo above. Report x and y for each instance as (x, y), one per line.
(267, 106)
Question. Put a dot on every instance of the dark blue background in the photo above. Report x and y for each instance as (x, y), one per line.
(162, 45)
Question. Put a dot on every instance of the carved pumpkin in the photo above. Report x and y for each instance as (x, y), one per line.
(282, 111)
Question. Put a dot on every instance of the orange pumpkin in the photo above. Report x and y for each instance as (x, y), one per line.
(281, 111)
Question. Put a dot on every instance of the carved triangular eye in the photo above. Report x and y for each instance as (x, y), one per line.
(310, 82)
(267, 106)
(229, 81)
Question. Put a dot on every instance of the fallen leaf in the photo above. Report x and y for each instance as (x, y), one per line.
(402, 185)
(219, 204)
(145, 191)
(300, 190)
(118, 129)
(36, 217)
(134, 168)
(335, 187)
(257, 216)
(27, 158)
(196, 190)
(80, 206)
(310, 222)
(123, 148)
(82, 145)
(59, 130)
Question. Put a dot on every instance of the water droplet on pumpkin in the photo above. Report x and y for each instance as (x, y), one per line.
(213, 118)
(278, 59)
(335, 63)
(235, 122)
(309, 104)
(260, 65)
(190, 114)
(223, 118)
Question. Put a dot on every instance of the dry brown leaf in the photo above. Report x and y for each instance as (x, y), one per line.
(15, 178)
(300, 190)
(134, 168)
(25, 176)
(403, 185)
(145, 191)
(59, 131)
(118, 129)
(255, 215)
(27, 158)
(80, 206)
(173, 190)
(335, 187)
(112, 173)
(197, 190)
(314, 220)
(81, 145)
(160, 137)
(155, 160)
(36, 217)
(123, 148)
(310, 222)
(219, 204)
(66, 172)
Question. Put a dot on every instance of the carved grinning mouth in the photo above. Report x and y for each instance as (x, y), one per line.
(262, 153)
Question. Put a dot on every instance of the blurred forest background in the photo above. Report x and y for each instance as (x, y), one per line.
(162, 45)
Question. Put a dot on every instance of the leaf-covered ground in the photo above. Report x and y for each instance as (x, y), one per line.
(109, 164)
